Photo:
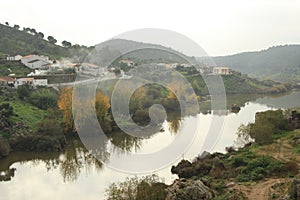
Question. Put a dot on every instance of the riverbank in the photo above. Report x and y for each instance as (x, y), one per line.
(265, 169)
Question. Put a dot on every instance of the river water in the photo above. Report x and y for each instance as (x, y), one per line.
(76, 174)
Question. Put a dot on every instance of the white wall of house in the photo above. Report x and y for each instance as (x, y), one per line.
(221, 70)
(31, 81)
(17, 57)
(40, 82)
(23, 81)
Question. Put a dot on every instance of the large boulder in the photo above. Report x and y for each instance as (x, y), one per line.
(187, 189)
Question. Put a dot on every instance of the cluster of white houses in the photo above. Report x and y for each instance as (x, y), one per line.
(32, 61)
(16, 82)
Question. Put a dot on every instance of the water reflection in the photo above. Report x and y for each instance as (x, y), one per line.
(70, 163)
(174, 122)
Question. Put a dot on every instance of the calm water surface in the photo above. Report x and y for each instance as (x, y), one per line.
(75, 174)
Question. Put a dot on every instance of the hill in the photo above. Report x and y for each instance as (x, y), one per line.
(13, 42)
(140, 53)
(279, 63)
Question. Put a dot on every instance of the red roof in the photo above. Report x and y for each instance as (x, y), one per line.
(6, 79)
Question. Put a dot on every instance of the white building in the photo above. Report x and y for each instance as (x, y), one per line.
(6, 80)
(221, 70)
(91, 70)
(17, 57)
(31, 82)
(129, 63)
(36, 61)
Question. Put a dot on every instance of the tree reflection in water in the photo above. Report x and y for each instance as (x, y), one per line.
(76, 157)
(174, 122)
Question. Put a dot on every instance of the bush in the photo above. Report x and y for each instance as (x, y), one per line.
(260, 167)
(44, 98)
(23, 91)
(4, 147)
(50, 127)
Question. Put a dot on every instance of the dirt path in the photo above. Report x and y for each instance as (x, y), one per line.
(258, 191)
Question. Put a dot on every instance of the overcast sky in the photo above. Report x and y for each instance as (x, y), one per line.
(219, 27)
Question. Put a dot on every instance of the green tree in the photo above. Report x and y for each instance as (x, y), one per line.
(66, 44)
(23, 91)
(41, 35)
(51, 39)
(243, 135)
(16, 26)
(44, 98)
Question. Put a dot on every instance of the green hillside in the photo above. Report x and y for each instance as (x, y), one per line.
(279, 63)
(140, 52)
(14, 41)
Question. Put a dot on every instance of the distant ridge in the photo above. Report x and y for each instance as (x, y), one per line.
(279, 62)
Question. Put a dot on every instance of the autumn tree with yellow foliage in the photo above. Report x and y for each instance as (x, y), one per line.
(100, 102)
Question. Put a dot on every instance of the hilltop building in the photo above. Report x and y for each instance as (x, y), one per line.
(221, 71)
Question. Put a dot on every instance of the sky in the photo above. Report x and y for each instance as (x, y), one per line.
(219, 27)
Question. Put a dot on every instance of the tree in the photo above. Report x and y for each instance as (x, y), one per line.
(44, 98)
(65, 105)
(101, 103)
(66, 44)
(243, 135)
(16, 26)
(40, 34)
(23, 91)
(33, 31)
(6, 23)
(51, 39)
(102, 106)
(49, 127)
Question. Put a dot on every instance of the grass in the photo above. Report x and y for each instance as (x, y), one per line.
(27, 114)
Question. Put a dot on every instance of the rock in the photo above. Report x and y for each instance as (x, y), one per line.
(217, 169)
(204, 155)
(187, 189)
(181, 165)
(230, 184)
(295, 188)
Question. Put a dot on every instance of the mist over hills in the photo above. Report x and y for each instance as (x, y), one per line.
(279, 62)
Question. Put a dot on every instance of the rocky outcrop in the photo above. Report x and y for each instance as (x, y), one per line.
(187, 189)
(295, 188)
(217, 169)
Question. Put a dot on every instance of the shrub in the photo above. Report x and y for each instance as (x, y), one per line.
(44, 98)
(260, 167)
(4, 147)
(49, 127)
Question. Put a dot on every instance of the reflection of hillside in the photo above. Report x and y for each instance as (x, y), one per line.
(232, 100)
(281, 100)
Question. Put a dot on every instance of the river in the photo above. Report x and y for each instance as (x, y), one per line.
(76, 174)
